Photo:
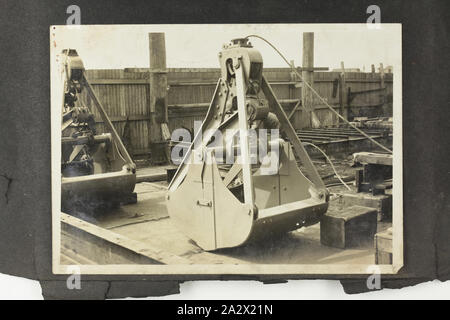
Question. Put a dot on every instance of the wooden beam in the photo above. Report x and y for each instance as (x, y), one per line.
(118, 81)
(158, 108)
(88, 242)
(308, 76)
(206, 104)
(212, 83)
(343, 92)
(294, 110)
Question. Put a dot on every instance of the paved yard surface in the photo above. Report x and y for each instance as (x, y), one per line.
(148, 221)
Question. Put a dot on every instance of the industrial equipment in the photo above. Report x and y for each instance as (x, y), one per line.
(219, 204)
(96, 169)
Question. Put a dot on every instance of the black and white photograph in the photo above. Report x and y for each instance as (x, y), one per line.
(227, 149)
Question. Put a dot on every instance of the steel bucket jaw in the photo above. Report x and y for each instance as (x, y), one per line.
(205, 210)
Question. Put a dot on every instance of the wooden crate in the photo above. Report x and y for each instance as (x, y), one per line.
(382, 203)
(350, 227)
(383, 247)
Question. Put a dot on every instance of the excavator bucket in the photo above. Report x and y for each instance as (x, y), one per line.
(240, 181)
(96, 169)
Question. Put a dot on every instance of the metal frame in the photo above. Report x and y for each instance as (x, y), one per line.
(200, 200)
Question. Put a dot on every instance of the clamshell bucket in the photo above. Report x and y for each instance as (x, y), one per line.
(96, 169)
(262, 192)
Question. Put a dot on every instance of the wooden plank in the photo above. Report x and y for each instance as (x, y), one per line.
(174, 83)
(133, 117)
(373, 158)
(113, 81)
(102, 245)
(383, 247)
(294, 110)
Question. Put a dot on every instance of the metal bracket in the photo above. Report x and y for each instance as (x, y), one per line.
(204, 203)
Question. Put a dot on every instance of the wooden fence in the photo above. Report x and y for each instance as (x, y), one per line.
(125, 96)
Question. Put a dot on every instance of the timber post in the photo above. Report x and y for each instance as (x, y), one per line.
(343, 94)
(308, 76)
(158, 109)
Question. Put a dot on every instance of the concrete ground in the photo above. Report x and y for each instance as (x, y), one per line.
(148, 221)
